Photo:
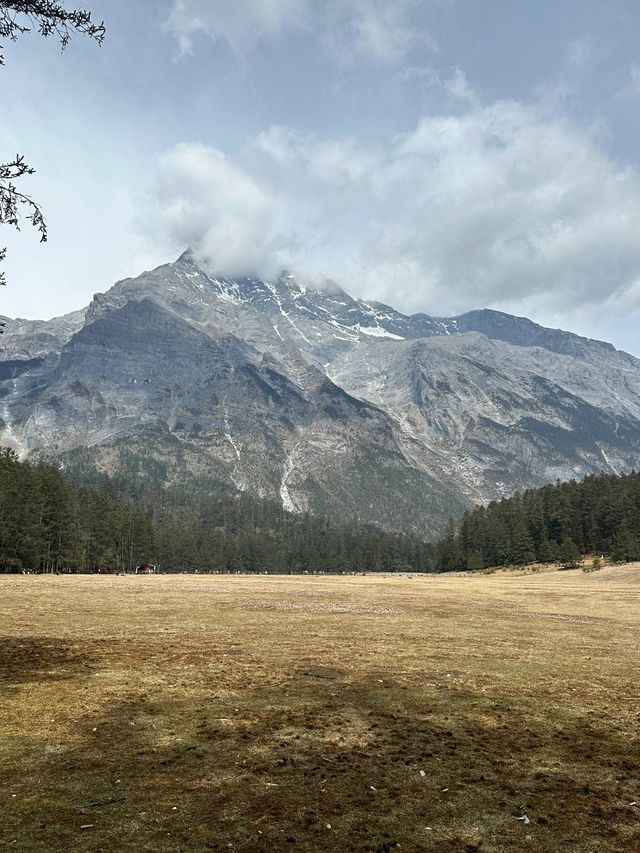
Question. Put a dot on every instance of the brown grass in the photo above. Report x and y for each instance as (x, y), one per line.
(185, 713)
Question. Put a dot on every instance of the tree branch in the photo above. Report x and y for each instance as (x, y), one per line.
(47, 17)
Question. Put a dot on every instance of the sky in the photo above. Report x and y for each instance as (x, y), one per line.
(437, 155)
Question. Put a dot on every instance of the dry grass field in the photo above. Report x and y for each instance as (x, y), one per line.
(181, 713)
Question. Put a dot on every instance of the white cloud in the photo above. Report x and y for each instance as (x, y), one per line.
(239, 22)
(454, 85)
(203, 200)
(380, 30)
(500, 206)
(330, 162)
(376, 29)
(508, 205)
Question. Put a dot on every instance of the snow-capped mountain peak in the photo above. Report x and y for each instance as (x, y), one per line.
(300, 391)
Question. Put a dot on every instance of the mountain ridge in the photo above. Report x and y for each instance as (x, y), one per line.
(310, 396)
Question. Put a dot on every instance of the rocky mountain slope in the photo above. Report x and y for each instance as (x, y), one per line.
(317, 399)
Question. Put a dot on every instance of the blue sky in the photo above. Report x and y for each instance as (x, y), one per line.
(439, 155)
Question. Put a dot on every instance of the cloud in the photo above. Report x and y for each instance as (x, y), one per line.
(378, 30)
(329, 162)
(631, 90)
(499, 205)
(504, 204)
(453, 86)
(381, 30)
(239, 22)
(580, 54)
(201, 199)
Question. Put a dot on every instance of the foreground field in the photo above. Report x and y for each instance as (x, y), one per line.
(343, 714)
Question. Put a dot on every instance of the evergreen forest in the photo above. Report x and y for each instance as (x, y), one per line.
(49, 522)
(53, 519)
(48, 525)
(557, 523)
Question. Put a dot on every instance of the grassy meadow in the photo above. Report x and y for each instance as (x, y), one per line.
(438, 713)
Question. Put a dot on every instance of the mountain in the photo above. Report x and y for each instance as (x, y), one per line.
(327, 403)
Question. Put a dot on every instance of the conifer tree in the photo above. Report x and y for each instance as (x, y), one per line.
(521, 544)
(569, 553)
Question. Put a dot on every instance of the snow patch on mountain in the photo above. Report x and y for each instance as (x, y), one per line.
(378, 332)
(285, 494)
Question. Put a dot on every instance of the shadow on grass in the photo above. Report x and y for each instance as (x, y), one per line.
(30, 659)
(325, 762)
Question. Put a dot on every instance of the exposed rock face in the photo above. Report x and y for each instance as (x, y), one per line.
(314, 398)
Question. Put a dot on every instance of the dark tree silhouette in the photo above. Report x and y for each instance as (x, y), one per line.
(86, 521)
(12, 200)
(48, 18)
(559, 522)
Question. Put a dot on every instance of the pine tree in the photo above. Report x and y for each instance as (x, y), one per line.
(569, 553)
(548, 551)
(626, 547)
(522, 551)
(475, 561)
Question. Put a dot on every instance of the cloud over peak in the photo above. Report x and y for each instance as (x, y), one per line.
(202, 199)
(499, 205)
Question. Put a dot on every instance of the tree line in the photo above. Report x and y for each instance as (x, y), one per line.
(240, 533)
(557, 523)
(77, 519)
(50, 524)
